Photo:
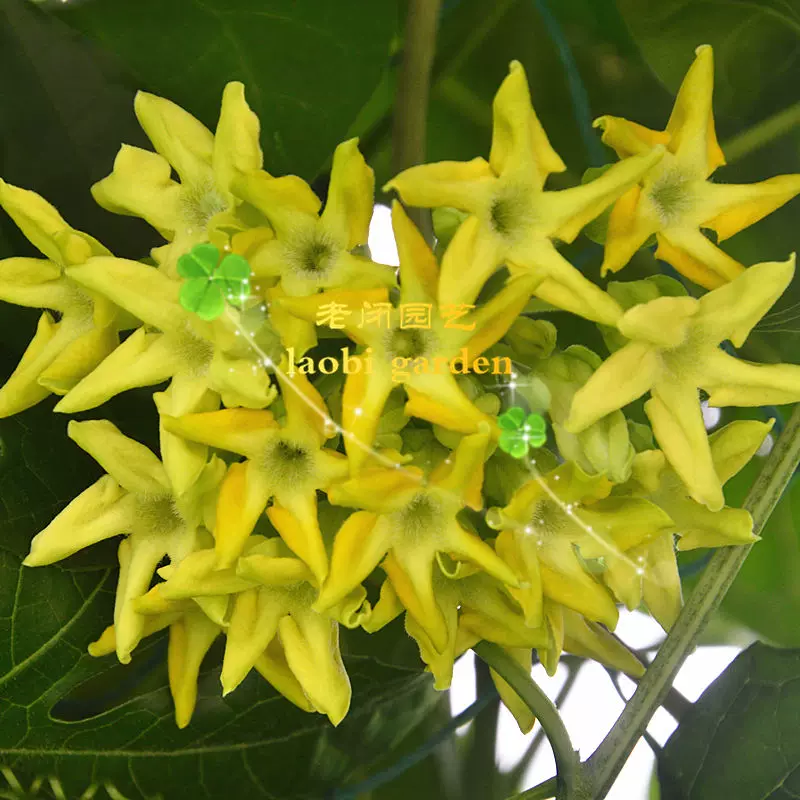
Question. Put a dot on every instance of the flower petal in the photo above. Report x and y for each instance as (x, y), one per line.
(311, 644)
(511, 700)
(283, 200)
(272, 666)
(348, 208)
(731, 381)
(295, 518)
(243, 496)
(190, 638)
(691, 124)
(735, 444)
(590, 640)
(518, 138)
(627, 231)
(570, 210)
(622, 378)
(140, 185)
(664, 322)
(184, 141)
(377, 489)
(629, 138)
(144, 291)
(675, 415)
(132, 465)
(457, 184)
(419, 272)
(97, 513)
(661, 583)
(34, 282)
(463, 475)
(143, 359)
(236, 145)
(239, 430)
(363, 399)
(358, 548)
(733, 310)
(461, 544)
(697, 257)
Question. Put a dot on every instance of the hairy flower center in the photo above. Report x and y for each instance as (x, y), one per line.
(671, 195)
(423, 514)
(547, 519)
(157, 516)
(201, 202)
(287, 463)
(510, 212)
(195, 352)
(409, 343)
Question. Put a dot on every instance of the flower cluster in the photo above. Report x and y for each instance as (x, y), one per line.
(456, 518)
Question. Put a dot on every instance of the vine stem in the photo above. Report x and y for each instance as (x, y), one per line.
(409, 132)
(605, 763)
(567, 762)
(763, 133)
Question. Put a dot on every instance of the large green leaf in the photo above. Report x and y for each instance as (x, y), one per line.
(740, 739)
(756, 44)
(308, 66)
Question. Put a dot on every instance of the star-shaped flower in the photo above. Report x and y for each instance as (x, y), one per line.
(135, 498)
(518, 432)
(286, 463)
(513, 220)
(313, 251)
(649, 572)
(210, 282)
(552, 515)
(676, 198)
(66, 347)
(413, 519)
(190, 211)
(674, 350)
(419, 357)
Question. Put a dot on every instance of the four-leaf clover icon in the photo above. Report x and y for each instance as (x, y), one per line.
(209, 282)
(519, 432)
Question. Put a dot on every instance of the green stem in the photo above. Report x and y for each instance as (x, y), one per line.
(567, 763)
(544, 791)
(413, 90)
(762, 134)
(605, 763)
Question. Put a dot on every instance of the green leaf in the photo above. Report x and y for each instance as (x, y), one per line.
(202, 297)
(511, 419)
(740, 739)
(755, 44)
(199, 262)
(308, 66)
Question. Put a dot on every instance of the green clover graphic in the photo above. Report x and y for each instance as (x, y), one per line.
(209, 282)
(518, 432)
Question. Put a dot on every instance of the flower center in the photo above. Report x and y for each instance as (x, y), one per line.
(510, 212)
(422, 515)
(547, 519)
(409, 343)
(287, 463)
(157, 516)
(195, 352)
(671, 196)
(201, 202)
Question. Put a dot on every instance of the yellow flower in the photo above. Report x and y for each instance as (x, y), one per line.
(413, 520)
(418, 357)
(204, 361)
(547, 518)
(62, 350)
(674, 349)
(649, 572)
(313, 251)
(286, 463)
(676, 198)
(189, 212)
(513, 220)
(135, 497)
(191, 634)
